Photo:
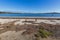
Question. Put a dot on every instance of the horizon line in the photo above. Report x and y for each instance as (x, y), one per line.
(29, 12)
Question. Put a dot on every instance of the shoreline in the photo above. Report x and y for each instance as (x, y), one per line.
(49, 18)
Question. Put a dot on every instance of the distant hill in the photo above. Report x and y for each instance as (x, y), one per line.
(4, 12)
(29, 13)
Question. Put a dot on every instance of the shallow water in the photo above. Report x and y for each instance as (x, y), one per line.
(30, 15)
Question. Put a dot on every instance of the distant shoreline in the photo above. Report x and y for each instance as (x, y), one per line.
(49, 18)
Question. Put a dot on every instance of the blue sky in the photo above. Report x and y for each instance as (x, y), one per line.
(31, 6)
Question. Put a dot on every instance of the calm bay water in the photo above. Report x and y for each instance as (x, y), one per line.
(30, 15)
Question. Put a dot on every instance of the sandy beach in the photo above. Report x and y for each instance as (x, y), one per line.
(54, 22)
(23, 29)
